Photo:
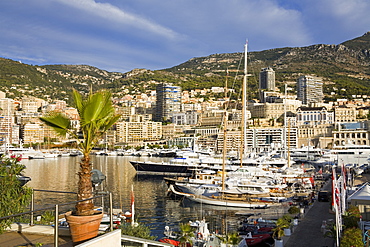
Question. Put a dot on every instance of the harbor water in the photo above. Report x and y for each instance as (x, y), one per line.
(153, 206)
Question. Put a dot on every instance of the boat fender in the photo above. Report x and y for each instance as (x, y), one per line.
(199, 235)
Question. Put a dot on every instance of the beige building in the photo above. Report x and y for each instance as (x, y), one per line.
(7, 106)
(315, 135)
(33, 133)
(345, 114)
(9, 131)
(30, 104)
(215, 118)
(271, 110)
(138, 132)
(355, 133)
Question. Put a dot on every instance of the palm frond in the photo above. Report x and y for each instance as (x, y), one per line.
(58, 122)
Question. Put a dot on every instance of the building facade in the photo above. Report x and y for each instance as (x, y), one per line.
(353, 133)
(168, 102)
(185, 118)
(259, 139)
(267, 79)
(344, 114)
(314, 116)
(309, 89)
(138, 132)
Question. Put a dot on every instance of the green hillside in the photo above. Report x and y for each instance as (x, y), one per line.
(344, 67)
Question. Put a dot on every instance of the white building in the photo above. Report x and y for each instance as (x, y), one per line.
(309, 89)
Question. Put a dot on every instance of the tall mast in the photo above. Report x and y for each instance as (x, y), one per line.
(244, 103)
(225, 135)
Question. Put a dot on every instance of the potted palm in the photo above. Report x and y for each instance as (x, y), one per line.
(97, 115)
(278, 232)
(231, 239)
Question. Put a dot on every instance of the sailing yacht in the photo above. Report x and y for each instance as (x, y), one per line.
(232, 197)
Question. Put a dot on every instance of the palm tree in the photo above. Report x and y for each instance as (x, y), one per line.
(281, 224)
(97, 115)
(231, 238)
(187, 233)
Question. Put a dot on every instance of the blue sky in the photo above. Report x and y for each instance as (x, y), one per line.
(121, 35)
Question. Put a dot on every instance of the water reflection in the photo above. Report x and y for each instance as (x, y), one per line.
(152, 205)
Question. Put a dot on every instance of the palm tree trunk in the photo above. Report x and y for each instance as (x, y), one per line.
(84, 188)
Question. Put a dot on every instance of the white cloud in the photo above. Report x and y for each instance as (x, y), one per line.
(335, 21)
(157, 34)
(119, 16)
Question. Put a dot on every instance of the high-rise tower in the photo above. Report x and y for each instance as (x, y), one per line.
(168, 102)
(309, 89)
(267, 79)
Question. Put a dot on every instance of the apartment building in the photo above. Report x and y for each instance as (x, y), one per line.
(31, 104)
(9, 131)
(138, 132)
(267, 79)
(168, 102)
(32, 133)
(272, 110)
(309, 89)
(7, 106)
(259, 139)
(186, 118)
(345, 114)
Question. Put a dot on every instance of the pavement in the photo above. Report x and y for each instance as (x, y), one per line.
(309, 231)
(26, 235)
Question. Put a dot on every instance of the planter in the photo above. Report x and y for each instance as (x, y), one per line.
(83, 227)
(287, 232)
(279, 243)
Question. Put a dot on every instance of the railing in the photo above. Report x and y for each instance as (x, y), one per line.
(56, 210)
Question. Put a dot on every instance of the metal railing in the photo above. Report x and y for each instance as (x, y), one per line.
(56, 210)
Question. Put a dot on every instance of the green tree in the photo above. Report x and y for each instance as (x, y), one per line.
(14, 198)
(186, 234)
(137, 230)
(97, 115)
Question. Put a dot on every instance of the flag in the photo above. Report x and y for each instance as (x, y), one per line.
(344, 188)
(344, 177)
(336, 206)
(132, 205)
(312, 180)
(320, 171)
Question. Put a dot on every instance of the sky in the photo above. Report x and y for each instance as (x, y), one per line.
(121, 35)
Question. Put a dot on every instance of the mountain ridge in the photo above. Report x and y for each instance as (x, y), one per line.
(343, 66)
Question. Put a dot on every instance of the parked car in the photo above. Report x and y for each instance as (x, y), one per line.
(324, 196)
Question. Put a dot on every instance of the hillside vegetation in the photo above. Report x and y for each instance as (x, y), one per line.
(344, 67)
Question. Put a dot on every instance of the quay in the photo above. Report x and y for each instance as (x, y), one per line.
(308, 232)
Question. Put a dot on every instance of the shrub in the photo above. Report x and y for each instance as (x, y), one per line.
(137, 230)
(351, 217)
(352, 237)
(14, 197)
(293, 210)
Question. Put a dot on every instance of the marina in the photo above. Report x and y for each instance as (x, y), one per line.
(153, 206)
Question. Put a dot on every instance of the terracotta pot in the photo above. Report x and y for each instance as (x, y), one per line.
(83, 227)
